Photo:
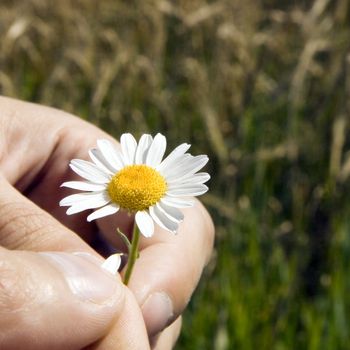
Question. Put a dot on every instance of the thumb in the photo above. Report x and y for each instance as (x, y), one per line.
(58, 300)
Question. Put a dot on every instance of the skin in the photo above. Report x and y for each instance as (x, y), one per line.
(36, 145)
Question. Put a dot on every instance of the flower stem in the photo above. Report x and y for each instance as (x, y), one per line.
(133, 253)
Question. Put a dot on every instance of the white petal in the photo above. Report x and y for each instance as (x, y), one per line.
(129, 144)
(112, 263)
(89, 171)
(80, 204)
(97, 157)
(187, 190)
(83, 186)
(111, 154)
(189, 167)
(177, 165)
(180, 185)
(144, 223)
(81, 197)
(173, 156)
(156, 151)
(172, 213)
(162, 220)
(105, 211)
(195, 179)
(177, 202)
(142, 148)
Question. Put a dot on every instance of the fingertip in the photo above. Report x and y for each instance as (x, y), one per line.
(158, 312)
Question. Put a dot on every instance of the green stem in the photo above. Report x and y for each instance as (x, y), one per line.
(133, 253)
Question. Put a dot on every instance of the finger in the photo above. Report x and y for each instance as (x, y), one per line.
(168, 337)
(36, 146)
(169, 266)
(171, 283)
(126, 333)
(23, 225)
(58, 300)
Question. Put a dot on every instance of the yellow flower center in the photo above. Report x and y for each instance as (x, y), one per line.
(137, 187)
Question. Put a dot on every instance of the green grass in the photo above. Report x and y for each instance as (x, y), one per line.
(264, 90)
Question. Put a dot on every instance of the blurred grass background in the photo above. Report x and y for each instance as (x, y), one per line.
(263, 88)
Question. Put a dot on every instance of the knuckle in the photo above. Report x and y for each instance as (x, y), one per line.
(13, 293)
(21, 224)
(18, 295)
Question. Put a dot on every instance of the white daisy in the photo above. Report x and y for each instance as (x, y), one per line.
(136, 179)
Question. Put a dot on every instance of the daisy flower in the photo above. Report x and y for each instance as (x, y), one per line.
(136, 178)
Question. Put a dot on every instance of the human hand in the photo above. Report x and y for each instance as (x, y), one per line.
(36, 145)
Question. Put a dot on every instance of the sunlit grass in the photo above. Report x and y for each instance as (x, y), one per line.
(264, 90)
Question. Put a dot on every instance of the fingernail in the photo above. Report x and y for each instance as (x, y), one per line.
(87, 280)
(158, 312)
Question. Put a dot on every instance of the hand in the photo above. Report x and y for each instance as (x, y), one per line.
(36, 144)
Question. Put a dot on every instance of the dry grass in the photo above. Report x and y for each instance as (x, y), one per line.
(264, 89)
